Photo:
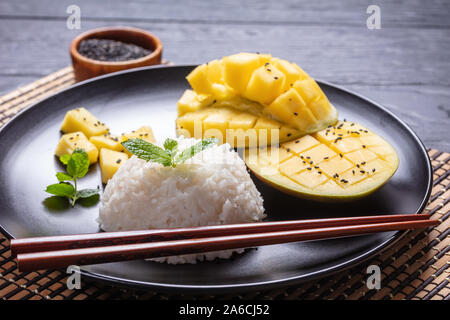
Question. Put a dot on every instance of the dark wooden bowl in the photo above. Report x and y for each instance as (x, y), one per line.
(85, 68)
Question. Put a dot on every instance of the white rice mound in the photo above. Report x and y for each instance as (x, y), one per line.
(211, 188)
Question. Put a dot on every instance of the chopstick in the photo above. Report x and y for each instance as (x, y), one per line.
(94, 255)
(52, 243)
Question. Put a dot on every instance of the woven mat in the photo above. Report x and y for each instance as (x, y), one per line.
(416, 267)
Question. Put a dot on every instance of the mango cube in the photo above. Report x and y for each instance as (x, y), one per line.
(238, 69)
(191, 101)
(265, 84)
(308, 89)
(198, 79)
(76, 140)
(110, 162)
(291, 72)
(145, 133)
(215, 71)
(290, 108)
(82, 120)
(106, 141)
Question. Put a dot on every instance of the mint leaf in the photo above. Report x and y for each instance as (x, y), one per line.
(61, 189)
(148, 151)
(78, 164)
(64, 158)
(62, 176)
(87, 193)
(171, 145)
(193, 150)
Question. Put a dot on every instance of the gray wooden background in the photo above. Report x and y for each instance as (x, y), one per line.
(405, 65)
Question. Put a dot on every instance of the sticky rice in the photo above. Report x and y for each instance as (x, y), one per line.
(211, 188)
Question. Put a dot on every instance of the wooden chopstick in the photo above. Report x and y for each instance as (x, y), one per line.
(94, 255)
(28, 245)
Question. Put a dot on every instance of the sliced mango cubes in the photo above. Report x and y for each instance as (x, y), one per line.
(256, 85)
(85, 131)
(80, 119)
(76, 140)
(342, 162)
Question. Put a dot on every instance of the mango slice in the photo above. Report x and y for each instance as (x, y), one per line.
(342, 162)
(106, 141)
(82, 120)
(76, 140)
(256, 85)
(110, 162)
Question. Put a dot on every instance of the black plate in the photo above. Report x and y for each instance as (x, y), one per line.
(148, 96)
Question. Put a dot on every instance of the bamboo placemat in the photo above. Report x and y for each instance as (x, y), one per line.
(416, 267)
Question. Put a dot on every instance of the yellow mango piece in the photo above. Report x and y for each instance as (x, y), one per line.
(289, 70)
(308, 89)
(216, 124)
(321, 108)
(145, 133)
(192, 101)
(82, 120)
(290, 108)
(106, 141)
(238, 69)
(242, 121)
(110, 162)
(265, 84)
(222, 91)
(319, 168)
(76, 140)
(215, 71)
(266, 129)
(300, 144)
(198, 79)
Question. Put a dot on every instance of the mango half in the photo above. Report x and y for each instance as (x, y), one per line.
(342, 162)
(270, 94)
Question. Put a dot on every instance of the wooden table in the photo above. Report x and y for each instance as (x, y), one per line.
(405, 65)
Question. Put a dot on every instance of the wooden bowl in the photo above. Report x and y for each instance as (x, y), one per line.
(85, 68)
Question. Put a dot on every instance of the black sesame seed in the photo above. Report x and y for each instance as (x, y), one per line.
(373, 170)
(288, 149)
(340, 155)
(289, 134)
(363, 146)
(325, 158)
(362, 171)
(119, 161)
(309, 168)
(297, 141)
(295, 114)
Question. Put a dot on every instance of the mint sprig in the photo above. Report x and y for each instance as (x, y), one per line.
(77, 165)
(170, 155)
